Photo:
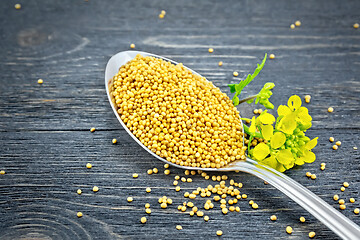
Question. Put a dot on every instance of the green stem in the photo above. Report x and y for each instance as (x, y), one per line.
(255, 134)
(247, 99)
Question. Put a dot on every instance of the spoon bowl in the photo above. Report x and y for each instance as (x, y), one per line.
(332, 218)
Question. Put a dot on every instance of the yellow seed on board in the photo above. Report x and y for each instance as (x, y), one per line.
(338, 143)
(356, 25)
(166, 165)
(313, 176)
(177, 188)
(163, 12)
(143, 220)
(219, 232)
(272, 56)
(130, 199)
(237, 209)
(244, 196)
(191, 213)
(312, 234)
(178, 227)
(132, 45)
(161, 15)
(135, 175)
(150, 171)
(251, 202)
(175, 183)
(79, 191)
(273, 218)
(292, 26)
(356, 211)
(336, 197)
(335, 147)
(346, 184)
(114, 141)
(307, 98)
(155, 170)
(206, 218)
(88, 165)
(341, 201)
(256, 111)
(148, 189)
(148, 210)
(17, 6)
(342, 207)
(255, 206)
(163, 205)
(92, 129)
(147, 205)
(260, 111)
(79, 214)
(211, 50)
(289, 229)
(224, 210)
(2, 172)
(331, 139)
(355, 148)
(192, 196)
(308, 174)
(40, 81)
(330, 109)
(235, 74)
(342, 189)
(352, 200)
(220, 63)
(189, 180)
(95, 189)
(177, 177)
(302, 219)
(200, 213)
(167, 171)
(298, 23)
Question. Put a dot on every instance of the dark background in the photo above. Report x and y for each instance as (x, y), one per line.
(45, 141)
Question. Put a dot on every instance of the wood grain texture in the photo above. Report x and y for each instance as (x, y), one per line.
(45, 141)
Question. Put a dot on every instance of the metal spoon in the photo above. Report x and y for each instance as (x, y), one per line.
(332, 218)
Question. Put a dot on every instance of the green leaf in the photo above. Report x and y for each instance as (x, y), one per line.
(261, 151)
(267, 131)
(232, 87)
(277, 140)
(235, 100)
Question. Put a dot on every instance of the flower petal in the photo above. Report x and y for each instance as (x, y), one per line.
(267, 118)
(261, 151)
(294, 102)
(285, 157)
(277, 140)
(311, 144)
(267, 131)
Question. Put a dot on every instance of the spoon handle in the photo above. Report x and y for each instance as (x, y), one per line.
(332, 218)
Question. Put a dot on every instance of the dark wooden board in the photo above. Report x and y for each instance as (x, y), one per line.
(45, 141)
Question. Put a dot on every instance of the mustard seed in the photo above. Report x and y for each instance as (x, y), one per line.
(150, 171)
(331, 139)
(79, 191)
(92, 129)
(235, 74)
(312, 234)
(346, 184)
(2, 172)
(307, 98)
(200, 213)
(147, 205)
(224, 210)
(292, 26)
(330, 109)
(148, 211)
(302, 219)
(219, 232)
(161, 16)
(336, 197)
(177, 188)
(251, 202)
(237, 209)
(342, 189)
(148, 190)
(220, 63)
(143, 220)
(308, 174)
(95, 189)
(335, 147)
(135, 175)
(356, 25)
(356, 211)
(163, 12)
(254, 206)
(179, 227)
(313, 176)
(289, 229)
(191, 213)
(40, 81)
(244, 196)
(272, 56)
(155, 170)
(189, 180)
(175, 183)
(130, 199)
(273, 218)
(167, 171)
(163, 205)
(297, 23)
(132, 45)
(166, 165)
(338, 143)
(341, 201)
(206, 218)
(352, 200)
(342, 207)
(114, 141)
(79, 214)
(211, 50)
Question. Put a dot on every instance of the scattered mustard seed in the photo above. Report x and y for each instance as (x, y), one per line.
(342, 189)
(251, 202)
(40, 81)
(132, 45)
(312, 234)
(179, 227)
(235, 74)
(130, 199)
(175, 183)
(143, 220)
(161, 15)
(336, 197)
(211, 50)
(346, 184)
(341, 201)
(163, 12)
(163, 205)
(237, 209)
(331, 139)
(135, 175)
(79, 214)
(95, 189)
(308, 174)
(88, 165)
(206, 218)
(342, 207)
(220, 63)
(352, 200)
(254, 206)
(355, 148)
(302, 219)
(167, 171)
(356, 211)
(17, 6)
(244, 196)
(177, 188)
(2, 172)
(148, 211)
(298, 23)
(338, 143)
(256, 111)
(224, 210)
(92, 129)
(313, 176)
(307, 98)
(356, 25)
(177, 177)
(219, 232)
(148, 189)
(330, 109)
(272, 56)
(289, 229)
(292, 26)
(273, 218)
(166, 165)
(155, 170)
(114, 141)
(79, 191)
(335, 147)
(189, 180)
(150, 171)
(147, 205)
